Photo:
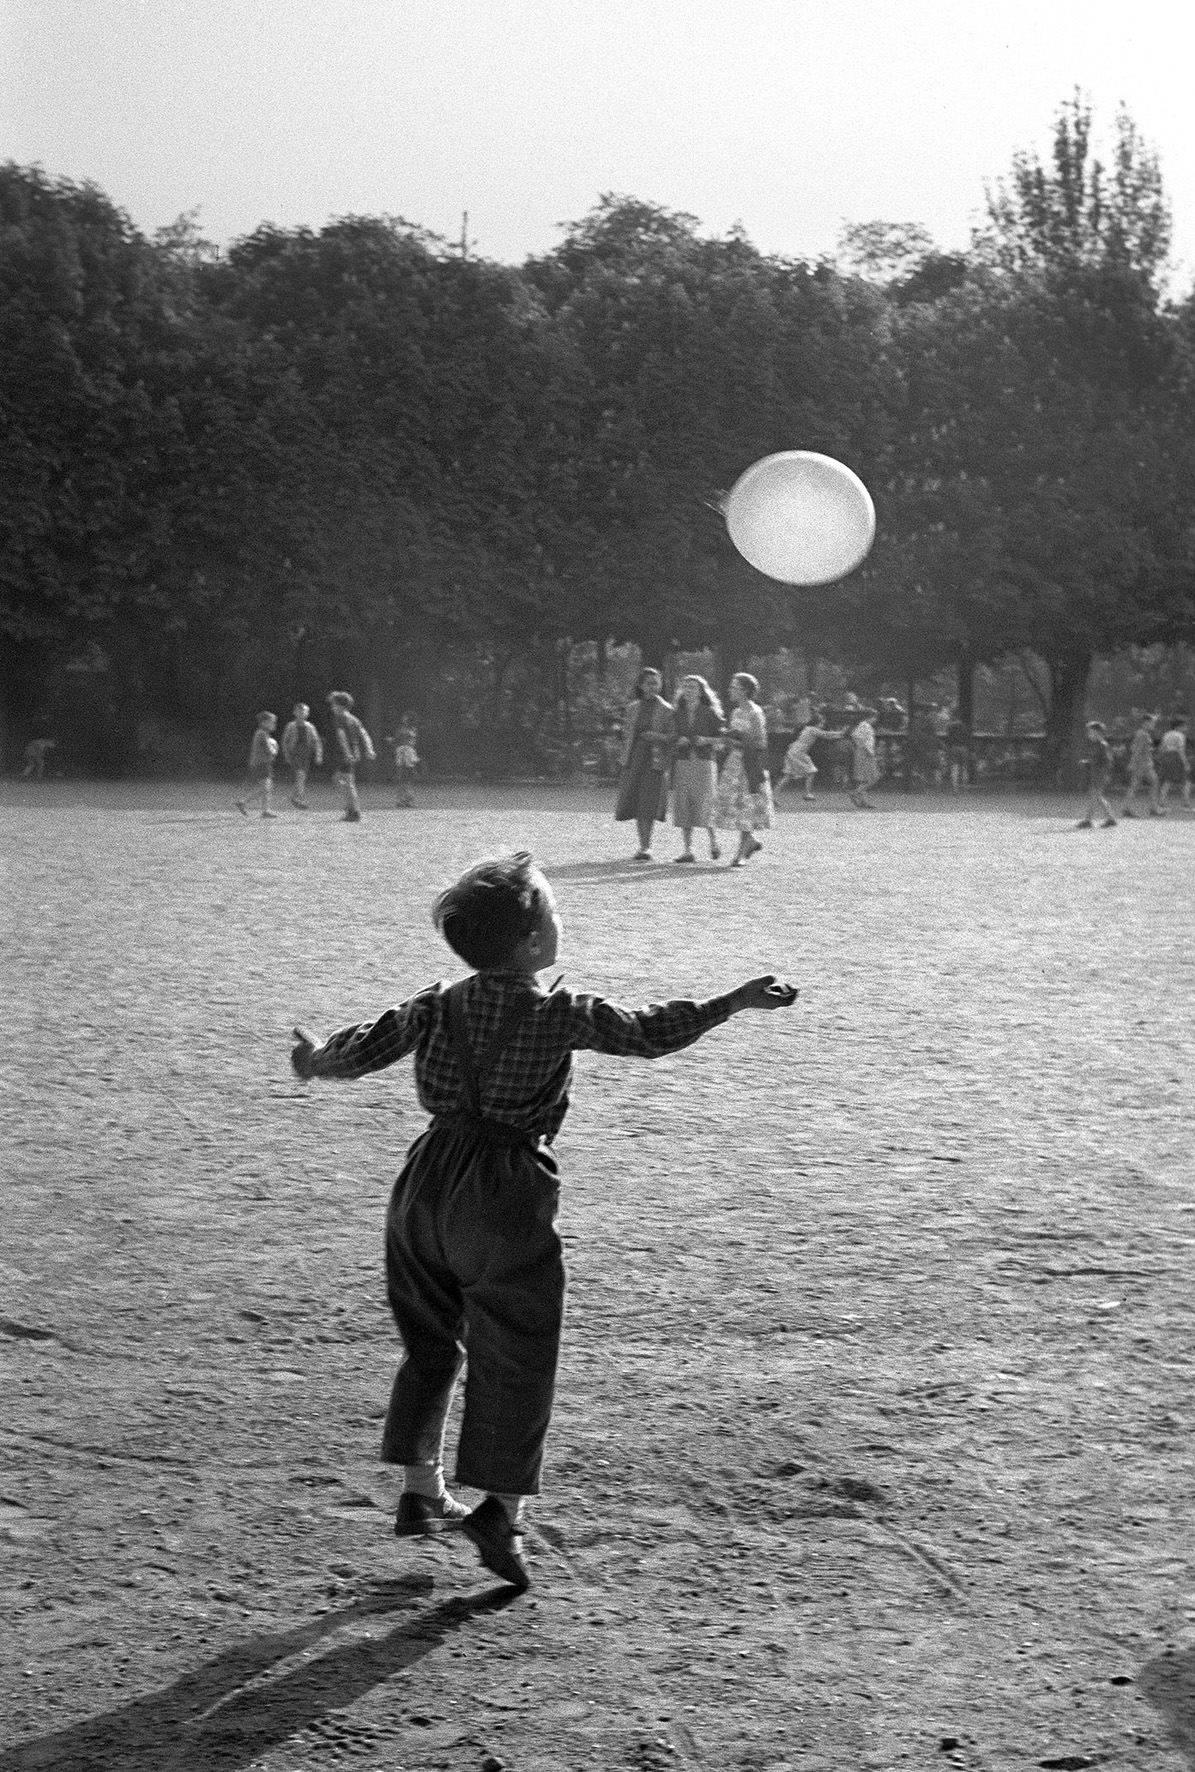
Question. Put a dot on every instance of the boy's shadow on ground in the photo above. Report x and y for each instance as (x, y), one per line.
(226, 1713)
(623, 868)
(1168, 1683)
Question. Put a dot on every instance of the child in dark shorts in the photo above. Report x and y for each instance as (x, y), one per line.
(1098, 762)
(473, 1258)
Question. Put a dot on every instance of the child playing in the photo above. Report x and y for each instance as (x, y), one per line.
(406, 761)
(262, 752)
(303, 749)
(798, 764)
(352, 744)
(1099, 771)
(473, 1259)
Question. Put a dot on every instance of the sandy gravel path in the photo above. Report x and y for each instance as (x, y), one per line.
(874, 1440)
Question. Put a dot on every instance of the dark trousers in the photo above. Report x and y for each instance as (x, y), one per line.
(475, 1271)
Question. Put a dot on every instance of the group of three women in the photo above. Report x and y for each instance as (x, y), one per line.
(680, 746)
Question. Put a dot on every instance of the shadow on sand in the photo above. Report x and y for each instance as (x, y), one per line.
(226, 1713)
(1168, 1683)
(624, 868)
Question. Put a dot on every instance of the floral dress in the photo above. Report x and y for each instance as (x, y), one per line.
(737, 805)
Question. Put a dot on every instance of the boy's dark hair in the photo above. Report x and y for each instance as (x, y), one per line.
(487, 912)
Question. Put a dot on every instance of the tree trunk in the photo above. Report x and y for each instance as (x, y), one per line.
(966, 690)
(566, 712)
(1068, 689)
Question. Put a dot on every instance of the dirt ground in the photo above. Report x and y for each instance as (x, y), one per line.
(873, 1443)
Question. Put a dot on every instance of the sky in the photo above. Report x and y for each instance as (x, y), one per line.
(788, 117)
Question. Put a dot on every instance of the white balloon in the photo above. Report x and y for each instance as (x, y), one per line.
(801, 517)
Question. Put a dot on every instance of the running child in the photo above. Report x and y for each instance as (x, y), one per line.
(303, 749)
(1098, 763)
(353, 744)
(473, 1258)
(262, 753)
(798, 764)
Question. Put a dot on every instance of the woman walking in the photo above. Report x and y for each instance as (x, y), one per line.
(643, 782)
(699, 724)
(744, 799)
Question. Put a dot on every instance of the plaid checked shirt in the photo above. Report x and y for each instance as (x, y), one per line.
(527, 1086)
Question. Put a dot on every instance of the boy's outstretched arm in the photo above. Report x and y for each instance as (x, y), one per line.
(370, 1046)
(302, 1052)
(766, 992)
(661, 1028)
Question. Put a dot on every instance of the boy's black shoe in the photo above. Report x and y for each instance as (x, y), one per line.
(419, 1516)
(499, 1544)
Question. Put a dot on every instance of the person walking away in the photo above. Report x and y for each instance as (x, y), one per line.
(799, 766)
(353, 745)
(263, 751)
(744, 802)
(1143, 775)
(1098, 763)
(302, 750)
(474, 1266)
(698, 726)
(865, 771)
(1174, 767)
(643, 778)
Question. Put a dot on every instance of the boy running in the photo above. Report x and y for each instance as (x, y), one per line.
(473, 1258)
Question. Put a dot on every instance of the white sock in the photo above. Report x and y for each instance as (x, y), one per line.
(424, 1479)
(513, 1505)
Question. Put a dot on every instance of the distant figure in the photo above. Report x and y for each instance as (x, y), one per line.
(643, 781)
(958, 754)
(352, 746)
(406, 760)
(1099, 773)
(744, 799)
(36, 752)
(799, 766)
(1143, 776)
(700, 723)
(865, 771)
(262, 753)
(1174, 768)
(303, 750)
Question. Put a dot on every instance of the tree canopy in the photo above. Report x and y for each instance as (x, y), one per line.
(360, 451)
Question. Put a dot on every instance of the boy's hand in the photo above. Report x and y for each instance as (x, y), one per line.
(767, 992)
(305, 1047)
